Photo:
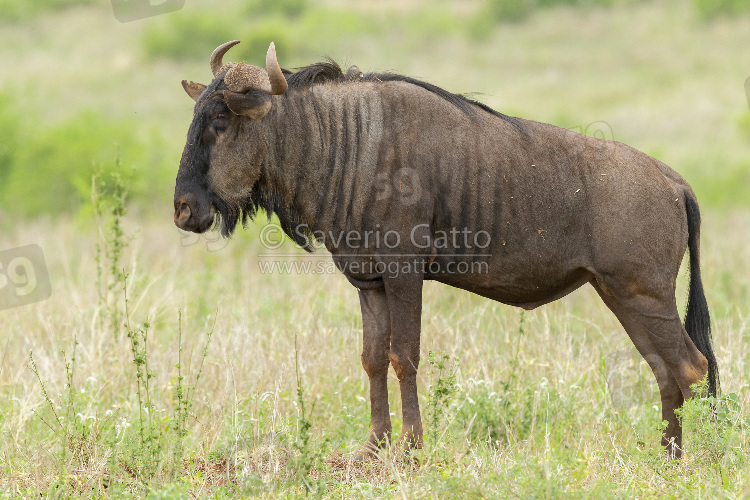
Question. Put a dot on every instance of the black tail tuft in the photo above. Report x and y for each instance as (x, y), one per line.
(697, 320)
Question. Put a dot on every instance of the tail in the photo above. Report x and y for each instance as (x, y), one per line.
(697, 320)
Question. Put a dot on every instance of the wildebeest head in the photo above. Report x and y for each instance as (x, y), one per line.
(218, 173)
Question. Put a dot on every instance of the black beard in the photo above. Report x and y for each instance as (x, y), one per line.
(230, 213)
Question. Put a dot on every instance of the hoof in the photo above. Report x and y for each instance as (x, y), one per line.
(410, 442)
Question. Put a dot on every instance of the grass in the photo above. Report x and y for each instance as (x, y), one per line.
(70, 153)
(681, 100)
(525, 404)
(273, 403)
(11, 11)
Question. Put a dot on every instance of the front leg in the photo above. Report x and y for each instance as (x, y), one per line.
(376, 338)
(404, 294)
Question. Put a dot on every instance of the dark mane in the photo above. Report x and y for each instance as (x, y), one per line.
(330, 71)
(271, 202)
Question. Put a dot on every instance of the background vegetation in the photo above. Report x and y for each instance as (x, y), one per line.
(168, 365)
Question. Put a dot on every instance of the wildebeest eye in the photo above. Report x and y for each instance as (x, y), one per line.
(221, 122)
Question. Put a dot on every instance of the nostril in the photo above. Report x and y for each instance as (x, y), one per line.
(187, 212)
(182, 214)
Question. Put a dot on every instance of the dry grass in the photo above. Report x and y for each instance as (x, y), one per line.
(246, 415)
(565, 409)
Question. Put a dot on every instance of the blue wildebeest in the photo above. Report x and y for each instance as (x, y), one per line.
(543, 209)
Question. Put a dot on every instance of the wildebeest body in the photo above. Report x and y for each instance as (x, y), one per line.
(403, 182)
(547, 196)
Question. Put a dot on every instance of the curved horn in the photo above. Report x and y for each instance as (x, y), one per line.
(243, 77)
(275, 75)
(217, 56)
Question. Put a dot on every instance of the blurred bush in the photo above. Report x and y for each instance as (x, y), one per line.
(48, 170)
(709, 9)
(288, 8)
(518, 10)
(188, 33)
(22, 10)
(507, 10)
(8, 138)
(185, 34)
(255, 42)
(293, 28)
(743, 126)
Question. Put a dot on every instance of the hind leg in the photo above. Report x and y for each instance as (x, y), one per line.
(655, 328)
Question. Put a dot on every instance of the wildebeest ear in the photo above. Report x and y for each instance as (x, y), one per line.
(193, 89)
(254, 105)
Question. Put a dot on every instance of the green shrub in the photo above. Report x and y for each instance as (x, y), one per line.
(504, 417)
(289, 8)
(437, 23)
(554, 3)
(23, 10)
(743, 125)
(443, 389)
(8, 138)
(519, 10)
(709, 9)
(717, 428)
(508, 10)
(581, 3)
(187, 34)
(719, 179)
(255, 42)
(320, 26)
(48, 170)
(310, 33)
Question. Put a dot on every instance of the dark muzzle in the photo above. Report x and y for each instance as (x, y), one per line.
(188, 216)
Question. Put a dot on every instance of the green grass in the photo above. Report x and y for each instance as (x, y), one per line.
(520, 403)
(13, 11)
(680, 99)
(47, 169)
(710, 9)
(548, 403)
